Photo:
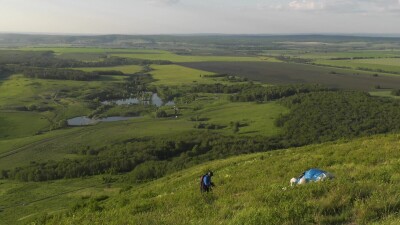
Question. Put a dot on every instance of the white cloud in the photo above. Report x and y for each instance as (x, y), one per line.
(338, 6)
(305, 5)
(164, 2)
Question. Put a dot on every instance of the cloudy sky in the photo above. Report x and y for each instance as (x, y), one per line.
(200, 16)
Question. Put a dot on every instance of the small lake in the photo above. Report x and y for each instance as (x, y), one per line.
(154, 100)
(85, 121)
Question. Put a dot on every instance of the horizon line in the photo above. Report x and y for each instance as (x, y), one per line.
(207, 34)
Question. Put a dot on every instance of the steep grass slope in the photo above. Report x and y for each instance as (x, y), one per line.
(253, 189)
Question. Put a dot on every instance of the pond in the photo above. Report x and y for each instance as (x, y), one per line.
(85, 121)
(154, 100)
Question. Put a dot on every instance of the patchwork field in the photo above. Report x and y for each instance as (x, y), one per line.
(319, 54)
(284, 73)
(224, 99)
(379, 65)
(189, 58)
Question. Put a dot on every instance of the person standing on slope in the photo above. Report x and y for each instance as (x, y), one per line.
(205, 182)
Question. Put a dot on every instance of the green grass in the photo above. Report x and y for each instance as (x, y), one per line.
(29, 200)
(257, 119)
(21, 124)
(131, 69)
(250, 189)
(384, 94)
(92, 50)
(187, 58)
(18, 90)
(331, 55)
(10, 145)
(178, 75)
(149, 54)
(60, 145)
(384, 64)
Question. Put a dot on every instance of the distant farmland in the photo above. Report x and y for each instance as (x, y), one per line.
(284, 73)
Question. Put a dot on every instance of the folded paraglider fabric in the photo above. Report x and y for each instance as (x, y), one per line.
(311, 175)
(315, 175)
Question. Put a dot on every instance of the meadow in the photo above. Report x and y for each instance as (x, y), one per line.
(178, 75)
(319, 54)
(229, 101)
(188, 58)
(254, 189)
(387, 65)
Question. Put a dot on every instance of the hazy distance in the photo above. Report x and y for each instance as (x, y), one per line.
(195, 16)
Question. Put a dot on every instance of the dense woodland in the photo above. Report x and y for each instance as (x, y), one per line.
(326, 116)
(258, 93)
(60, 74)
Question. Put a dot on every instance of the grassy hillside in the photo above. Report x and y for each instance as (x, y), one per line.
(253, 189)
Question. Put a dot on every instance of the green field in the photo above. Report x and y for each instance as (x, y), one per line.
(92, 50)
(21, 124)
(18, 90)
(229, 101)
(381, 64)
(257, 119)
(253, 189)
(387, 94)
(25, 201)
(318, 54)
(188, 58)
(178, 75)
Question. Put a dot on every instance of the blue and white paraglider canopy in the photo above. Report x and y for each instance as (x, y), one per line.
(311, 175)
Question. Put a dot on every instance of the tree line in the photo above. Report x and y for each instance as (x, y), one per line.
(314, 117)
(258, 93)
(47, 59)
(171, 154)
(60, 74)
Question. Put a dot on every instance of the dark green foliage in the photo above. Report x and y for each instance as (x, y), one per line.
(235, 126)
(396, 92)
(134, 85)
(327, 116)
(209, 126)
(168, 155)
(261, 94)
(3, 71)
(109, 72)
(161, 114)
(60, 74)
(47, 59)
(221, 88)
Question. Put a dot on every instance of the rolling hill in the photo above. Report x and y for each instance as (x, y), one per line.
(253, 189)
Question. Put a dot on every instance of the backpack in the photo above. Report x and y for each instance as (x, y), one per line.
(202, 186)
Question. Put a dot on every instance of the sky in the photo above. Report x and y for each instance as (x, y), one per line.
(200, 16)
